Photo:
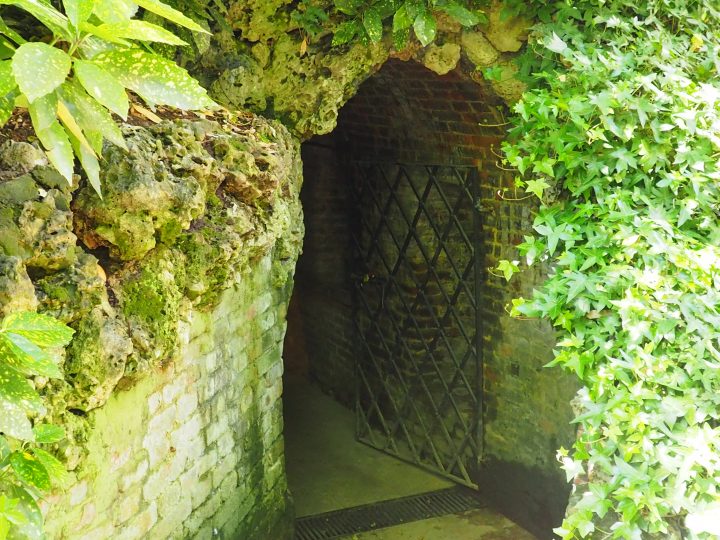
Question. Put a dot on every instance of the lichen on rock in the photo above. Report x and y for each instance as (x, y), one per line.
(183, 213)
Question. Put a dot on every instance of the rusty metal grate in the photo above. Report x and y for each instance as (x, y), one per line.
(417, 311)
(341, 523)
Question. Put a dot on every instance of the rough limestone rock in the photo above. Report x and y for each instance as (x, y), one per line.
(478, 49)
(507, 34)
(191, 205)
(16, 290)
(96, 359)
(442, 58)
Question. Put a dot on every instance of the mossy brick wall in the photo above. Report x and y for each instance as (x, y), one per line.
(406, 113)
(194, 450)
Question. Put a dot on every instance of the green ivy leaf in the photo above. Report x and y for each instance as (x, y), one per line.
(15, 388)
(39, 69)
(555, 44)
(5, 450)
(14, 421)
(12, 34)
(30, 470)
(425, 27)
(54, 467)
(170, 13)
(102, 86)
(43, 330)
(508, 268)
(536, 187)
(140, 31)
(156, 79)
(48, 433)
(7, 106)
(58, 149)
(373, 25)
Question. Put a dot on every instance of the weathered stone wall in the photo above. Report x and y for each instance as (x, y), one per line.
(407, 113)
(256, 61)
(176, 283)
(194, 449)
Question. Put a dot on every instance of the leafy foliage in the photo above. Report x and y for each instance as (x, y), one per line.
(623, 119)
(27, 341)
(366, 20)
(72, 84)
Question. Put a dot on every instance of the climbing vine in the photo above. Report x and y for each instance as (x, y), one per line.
(622, 121)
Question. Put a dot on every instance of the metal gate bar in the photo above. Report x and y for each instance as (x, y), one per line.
(419, 398)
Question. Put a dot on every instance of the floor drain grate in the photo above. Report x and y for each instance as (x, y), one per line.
(382, 514)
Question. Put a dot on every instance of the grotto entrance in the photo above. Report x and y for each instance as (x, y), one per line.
(391, 298)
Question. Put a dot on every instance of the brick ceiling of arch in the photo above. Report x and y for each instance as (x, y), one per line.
(408, 113)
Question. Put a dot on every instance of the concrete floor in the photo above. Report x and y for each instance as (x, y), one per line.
(328, 470)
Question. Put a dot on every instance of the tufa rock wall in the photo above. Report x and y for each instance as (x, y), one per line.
(196, 207)
(256, 60)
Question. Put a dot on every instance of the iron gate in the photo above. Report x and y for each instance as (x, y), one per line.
(417, 311)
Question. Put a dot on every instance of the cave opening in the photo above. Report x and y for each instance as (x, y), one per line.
(403, 374)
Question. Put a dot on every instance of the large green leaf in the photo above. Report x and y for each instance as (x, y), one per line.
(78, 11)
(43, 330)
(114, 11)
(170, 13)
(14, 421)
(7, 81)
(373, 25)
(348, 7)
(461, 14)
(30, 470)
(39, 69)
(48, 433)
(156, 79)
(26, 357)
(46, 14)
(4, 450)
(7, 106)
(43, 112)
(9, 32)
(32, 529)
(89, 162)
(401, 19)
(10, 511)
(425, 27)
(140, 31)
(91, 116)
(58, 149)
(55, 469)
(346, 32)
(15, 388)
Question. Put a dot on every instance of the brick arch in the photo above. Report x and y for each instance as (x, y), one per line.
(407, 113)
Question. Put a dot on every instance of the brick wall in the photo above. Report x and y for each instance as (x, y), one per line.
(406, 113)
(195, 450)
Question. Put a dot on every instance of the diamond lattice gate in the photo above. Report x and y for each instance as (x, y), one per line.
(420, 368)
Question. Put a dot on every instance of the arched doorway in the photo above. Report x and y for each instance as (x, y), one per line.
(394, 314)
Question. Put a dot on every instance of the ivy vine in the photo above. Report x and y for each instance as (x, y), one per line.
(622, 119)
